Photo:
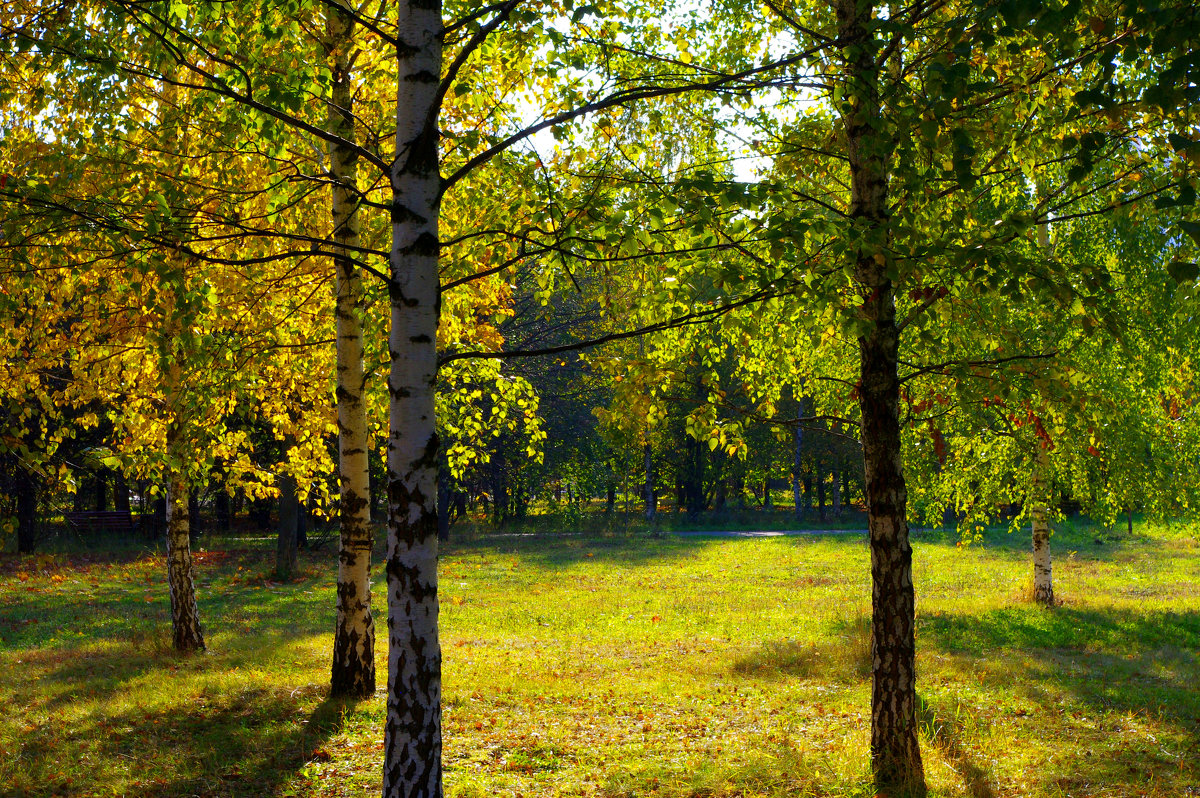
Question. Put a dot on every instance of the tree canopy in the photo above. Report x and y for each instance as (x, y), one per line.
(954, 242)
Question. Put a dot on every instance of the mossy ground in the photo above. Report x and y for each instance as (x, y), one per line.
(594, 665)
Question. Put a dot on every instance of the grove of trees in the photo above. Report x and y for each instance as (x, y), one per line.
(936, 258)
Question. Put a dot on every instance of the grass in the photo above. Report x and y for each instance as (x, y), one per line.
(616, 666)
(554, 520)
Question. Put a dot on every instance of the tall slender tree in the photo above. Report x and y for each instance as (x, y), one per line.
(354, 631)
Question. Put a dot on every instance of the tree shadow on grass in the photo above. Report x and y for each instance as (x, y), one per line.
(1083, 539)
(247, 742)
(557, 552)
(1110, 659)
(945, 732)
(117, 610)
(1085, 673)
(561, 552)
(842, 655)
(1028, 627)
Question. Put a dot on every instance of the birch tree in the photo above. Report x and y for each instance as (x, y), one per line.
(354, 630)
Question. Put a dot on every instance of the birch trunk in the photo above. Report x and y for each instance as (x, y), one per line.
(181, 581)
(1043, 577)
(413, 732)
(895, 749)
(353, 670)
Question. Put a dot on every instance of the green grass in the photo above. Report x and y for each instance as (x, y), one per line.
(618, 666)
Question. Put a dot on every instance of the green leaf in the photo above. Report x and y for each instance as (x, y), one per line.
(1182, 271)
(1191, 228)
(1180, 143)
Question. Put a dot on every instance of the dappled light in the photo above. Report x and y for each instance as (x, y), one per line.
(599, 398)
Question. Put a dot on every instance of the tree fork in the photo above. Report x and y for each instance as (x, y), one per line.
(895, 747)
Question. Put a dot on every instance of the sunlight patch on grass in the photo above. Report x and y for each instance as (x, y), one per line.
(606, 667)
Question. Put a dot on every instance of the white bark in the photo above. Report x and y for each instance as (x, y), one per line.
(1043, 577)
(353, 672)
(413, 734)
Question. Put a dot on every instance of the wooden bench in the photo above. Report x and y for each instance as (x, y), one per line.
(116, 521)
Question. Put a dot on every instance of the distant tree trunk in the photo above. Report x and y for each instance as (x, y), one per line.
(412, 744)
(289, 515)
(260, 513)
(820, 479)
(895, 745)
(100, 485)
(720, 495)
(221, 510)
(835, 492)
(797, 451)
(193, 508)
(159, 527)
(611, 498)
(443, 504)
(808, 493)
(27, 505)
(650, 495)
(694, 479)
(1043, 577)
(499, 489)
(120, 492)
(1129, 519)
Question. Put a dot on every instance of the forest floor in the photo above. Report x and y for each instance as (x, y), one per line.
(617, 666)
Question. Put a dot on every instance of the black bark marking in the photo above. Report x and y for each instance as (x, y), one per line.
(402, 214)
(425, 245)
